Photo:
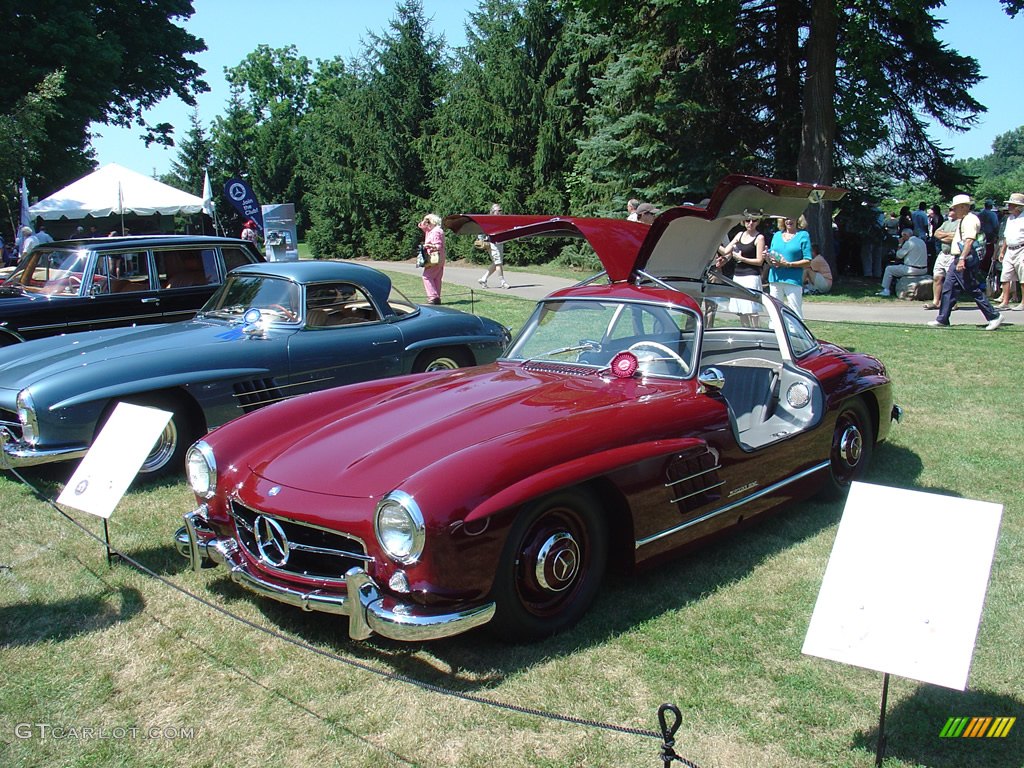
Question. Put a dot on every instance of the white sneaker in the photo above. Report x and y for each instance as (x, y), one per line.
(883, 293)
(994, 323)
(483, 282)
(505, 285)
(937, 324)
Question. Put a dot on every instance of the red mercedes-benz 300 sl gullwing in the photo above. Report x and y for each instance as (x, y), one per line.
(634, 413)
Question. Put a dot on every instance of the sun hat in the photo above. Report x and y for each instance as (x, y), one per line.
(960, 200)
(1017, 198)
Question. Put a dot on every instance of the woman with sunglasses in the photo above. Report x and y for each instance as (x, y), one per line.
(790, 253)
(747, 251)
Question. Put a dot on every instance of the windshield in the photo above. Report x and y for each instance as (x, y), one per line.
(52, 272)
(591, 332)
(276, 298)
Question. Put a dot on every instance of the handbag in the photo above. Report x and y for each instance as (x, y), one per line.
(421, 256)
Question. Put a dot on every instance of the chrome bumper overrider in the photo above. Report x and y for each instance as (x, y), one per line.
(370, 613)
(14, 454)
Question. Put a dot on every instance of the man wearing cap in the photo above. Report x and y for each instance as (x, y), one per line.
(962, 276)
(1011, 250)
(645, 213)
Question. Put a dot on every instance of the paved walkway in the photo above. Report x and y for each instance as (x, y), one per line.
(530, 285)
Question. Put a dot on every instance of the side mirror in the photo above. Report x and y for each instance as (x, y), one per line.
(711, 378)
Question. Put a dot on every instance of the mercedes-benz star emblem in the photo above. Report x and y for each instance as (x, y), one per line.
(271, 541)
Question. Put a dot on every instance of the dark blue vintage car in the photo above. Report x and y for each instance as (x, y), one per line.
(271, 332)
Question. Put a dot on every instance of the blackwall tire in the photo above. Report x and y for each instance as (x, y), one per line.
(551, 567)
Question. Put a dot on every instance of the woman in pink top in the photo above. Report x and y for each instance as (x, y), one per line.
(433, 244)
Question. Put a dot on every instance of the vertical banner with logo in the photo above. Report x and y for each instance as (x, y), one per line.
(241, 196)
(280, 235)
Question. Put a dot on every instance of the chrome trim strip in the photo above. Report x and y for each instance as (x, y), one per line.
(698, 492)
(728, 507)
(695, 474)
(294, 521)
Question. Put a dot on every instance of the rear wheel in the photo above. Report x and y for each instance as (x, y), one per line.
(853, 442)
(444, 359)
(551, 566)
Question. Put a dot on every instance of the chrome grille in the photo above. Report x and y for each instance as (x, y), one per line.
(314, 552)
(10, 420)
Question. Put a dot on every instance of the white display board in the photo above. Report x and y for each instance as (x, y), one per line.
(905, 585)
(112, 463)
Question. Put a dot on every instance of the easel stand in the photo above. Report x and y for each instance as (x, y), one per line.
(112, 556)
(880, 748)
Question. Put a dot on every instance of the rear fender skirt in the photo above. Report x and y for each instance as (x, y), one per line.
(577, 471)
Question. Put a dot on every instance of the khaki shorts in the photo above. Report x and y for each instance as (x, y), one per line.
(942, 263)
(1013, 265)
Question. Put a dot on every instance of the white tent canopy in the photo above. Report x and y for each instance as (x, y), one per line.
(115, 190)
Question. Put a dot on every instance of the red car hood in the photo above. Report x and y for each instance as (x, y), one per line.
(682, 240)
(479, 421)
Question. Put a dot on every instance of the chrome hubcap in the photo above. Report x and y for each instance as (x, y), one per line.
(851, 445)
(163, 450)
(558, 562)
(443, 364)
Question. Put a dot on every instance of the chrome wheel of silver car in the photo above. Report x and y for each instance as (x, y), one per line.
(552, 565)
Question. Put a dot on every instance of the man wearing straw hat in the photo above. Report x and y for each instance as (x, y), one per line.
(962, 276)
(1011, 252)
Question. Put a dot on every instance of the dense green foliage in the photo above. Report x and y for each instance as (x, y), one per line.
(557, 106)
(119, 57)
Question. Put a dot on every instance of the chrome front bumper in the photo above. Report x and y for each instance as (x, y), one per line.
(14, 454)
(369, 612)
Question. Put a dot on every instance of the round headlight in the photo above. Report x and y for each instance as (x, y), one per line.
(398, 523)
(201, 468)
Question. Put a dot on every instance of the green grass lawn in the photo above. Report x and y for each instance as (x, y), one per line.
(718, 631)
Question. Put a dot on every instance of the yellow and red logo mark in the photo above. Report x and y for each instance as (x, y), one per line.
(977, 727)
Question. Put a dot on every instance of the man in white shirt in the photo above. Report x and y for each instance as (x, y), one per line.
(913, 256)
(962, 276)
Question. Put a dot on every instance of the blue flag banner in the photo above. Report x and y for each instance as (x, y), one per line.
(241, 196)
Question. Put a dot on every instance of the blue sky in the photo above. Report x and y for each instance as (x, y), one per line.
(322, 29)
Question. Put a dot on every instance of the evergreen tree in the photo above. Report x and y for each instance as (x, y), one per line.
(189, 168)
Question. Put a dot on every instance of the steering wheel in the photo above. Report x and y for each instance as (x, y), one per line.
(661, 349)
(288, 314)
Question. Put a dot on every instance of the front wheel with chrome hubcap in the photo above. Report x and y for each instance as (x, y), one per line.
(551, 566)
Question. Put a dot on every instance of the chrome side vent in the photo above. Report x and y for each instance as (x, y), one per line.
(692, 479)
(256, 393)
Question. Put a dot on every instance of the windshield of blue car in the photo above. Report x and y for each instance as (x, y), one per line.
(590, 332)
(51, 272)
(277, 299)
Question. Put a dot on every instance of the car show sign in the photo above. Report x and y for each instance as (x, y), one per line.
(905, 585)
(113, 461)
(280, 235)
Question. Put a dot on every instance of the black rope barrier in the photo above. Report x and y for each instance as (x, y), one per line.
(667, 734)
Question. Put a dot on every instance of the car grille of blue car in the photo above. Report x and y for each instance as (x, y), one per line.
(9, 419)
(312, 551)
